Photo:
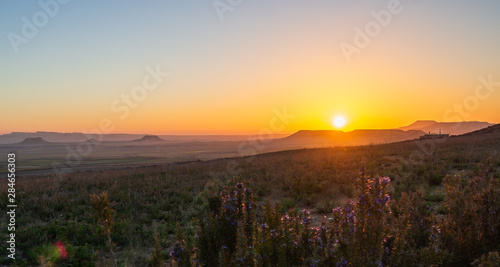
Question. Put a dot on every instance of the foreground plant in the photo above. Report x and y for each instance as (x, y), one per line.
(104, 214)
(472, 226)
(372, 230)
(157, 253)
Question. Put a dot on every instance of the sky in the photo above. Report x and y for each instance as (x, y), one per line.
(244, 67)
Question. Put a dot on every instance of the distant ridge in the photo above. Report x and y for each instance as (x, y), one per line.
(325, 134)
(34, 141)
(149, 138)
(54, 137)
(494, 129)
(418, 125)
(452, 128)
(306, 138)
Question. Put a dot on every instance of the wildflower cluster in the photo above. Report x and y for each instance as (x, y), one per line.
(227, 224)
(362, 226)
(181, 253)
(372, 230)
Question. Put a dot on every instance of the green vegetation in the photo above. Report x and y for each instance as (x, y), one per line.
(370, 231)
(431, 218)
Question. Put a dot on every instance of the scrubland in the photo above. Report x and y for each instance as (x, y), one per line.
(363, 206)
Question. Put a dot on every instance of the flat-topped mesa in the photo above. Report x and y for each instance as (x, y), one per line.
(149, 138)
(34, 141)
(320, 138)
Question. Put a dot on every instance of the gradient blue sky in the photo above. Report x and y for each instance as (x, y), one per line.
(227, 77)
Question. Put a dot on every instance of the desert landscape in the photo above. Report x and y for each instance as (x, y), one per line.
(250, 133)
(166, 187)
(40, 156)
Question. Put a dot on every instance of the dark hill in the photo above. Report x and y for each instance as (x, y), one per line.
(492, 130)
(325, 138)
(149, 138)
(34, 141)
(452, 128)
(420, 124)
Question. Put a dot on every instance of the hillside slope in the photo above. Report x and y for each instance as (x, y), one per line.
(452, 128)
(326, 138)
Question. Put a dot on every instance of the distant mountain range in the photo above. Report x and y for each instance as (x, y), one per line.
(55, 137)
(17, 137)
(451, 128)
(492, 130)
(327, 138)
(41, 141)
(304, 138)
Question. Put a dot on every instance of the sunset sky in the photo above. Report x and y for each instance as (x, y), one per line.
(231, 75)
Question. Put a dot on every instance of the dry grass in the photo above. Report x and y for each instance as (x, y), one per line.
(52, 209)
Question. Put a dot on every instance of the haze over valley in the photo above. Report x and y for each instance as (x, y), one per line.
(46, 152)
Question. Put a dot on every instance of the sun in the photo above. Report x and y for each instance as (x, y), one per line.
(339, 121)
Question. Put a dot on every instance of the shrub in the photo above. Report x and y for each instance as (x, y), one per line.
(472, 225)
(373, 230)
(227, 217)
(490, 260)
(234, 232)
(104, 214)
(361, 229)
(287, 204)
(435, 196)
